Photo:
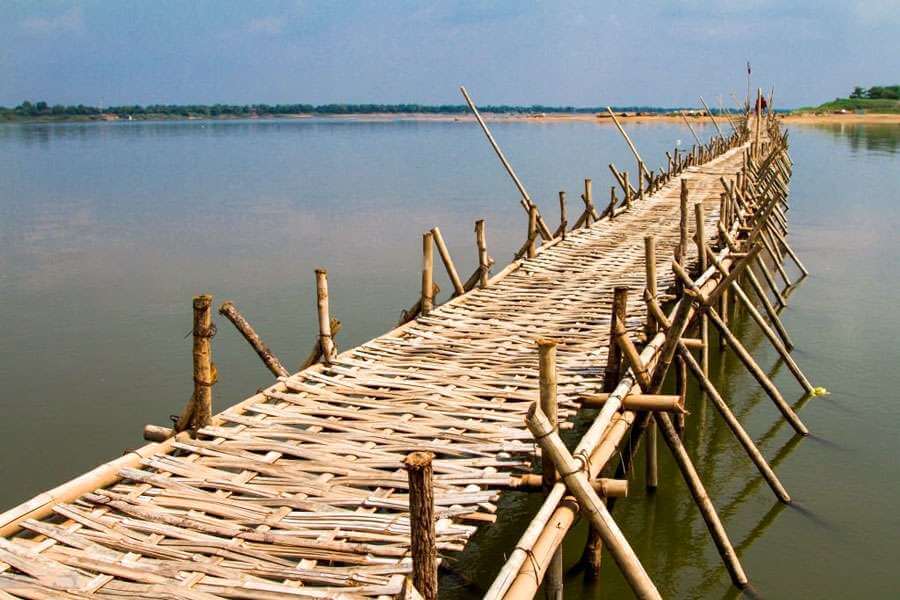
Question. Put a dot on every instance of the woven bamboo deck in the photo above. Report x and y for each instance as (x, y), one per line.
(300, 491)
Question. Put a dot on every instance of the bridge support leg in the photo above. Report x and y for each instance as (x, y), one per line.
(553, 580)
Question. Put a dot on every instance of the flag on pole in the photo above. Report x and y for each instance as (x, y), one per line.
(748, 67)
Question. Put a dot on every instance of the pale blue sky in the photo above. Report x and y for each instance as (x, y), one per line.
(582, 53)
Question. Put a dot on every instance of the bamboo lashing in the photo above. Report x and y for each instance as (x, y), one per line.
(326, 339)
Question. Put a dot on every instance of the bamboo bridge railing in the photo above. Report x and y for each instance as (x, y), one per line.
(346, 478)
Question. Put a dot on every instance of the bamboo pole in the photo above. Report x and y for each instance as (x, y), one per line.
(757, 373)
(532, 232)
(634, 151)
(611, 211)
(423, 546)
(553, 581)
(613, 370)
(427, 295)
(700, 238)
(448, 262)
(481, 243)
(198, 412)
(736, 428)
(769, 333)
(230, 312)
(579, 485)
(652, 461)
(526, 201)
(588, 199)
(326, 339)
(648, 402)
(709, 112)
(701, 498)
(563, 217)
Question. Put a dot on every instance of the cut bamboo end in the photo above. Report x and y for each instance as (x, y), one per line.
(157, 433)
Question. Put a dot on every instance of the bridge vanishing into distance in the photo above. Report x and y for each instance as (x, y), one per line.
(347, 478)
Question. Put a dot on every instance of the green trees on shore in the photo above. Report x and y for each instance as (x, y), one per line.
(877, 92)
(41, 110)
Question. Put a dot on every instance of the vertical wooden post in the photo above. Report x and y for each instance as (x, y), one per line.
(421, 522)
(588, 199)
(563, 217)
(699, 225)
(532, 232)
(553, 580)
(481, 242)
(326, 341)
(681, 251)
(198, 412)
(427, 273)
(681, 384)
(627, 189)
(652, 465)
(613, 369)
(612, 202)
(641, 171)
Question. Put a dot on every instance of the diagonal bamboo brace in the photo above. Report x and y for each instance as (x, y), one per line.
(572, 473)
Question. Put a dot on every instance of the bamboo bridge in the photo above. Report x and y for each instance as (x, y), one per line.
(345, 479)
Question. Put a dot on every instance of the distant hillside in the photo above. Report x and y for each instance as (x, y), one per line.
(42, 111)
(876, 99)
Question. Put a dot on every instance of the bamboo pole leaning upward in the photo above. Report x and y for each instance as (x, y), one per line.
(230, 312)
(444, 253)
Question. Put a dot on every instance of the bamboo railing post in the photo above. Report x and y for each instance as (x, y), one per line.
(532, 232)
(681, 251)
(627, 190)
(613, 371)
(553, 580)
(427, 296)
(448, 262)
(423, 544)
(483, 260)
(652, 463)
(576, 480)
(198, 412)
(640, 175)
(230, 312)
(612, 202)
(563, 217)
(326, 339)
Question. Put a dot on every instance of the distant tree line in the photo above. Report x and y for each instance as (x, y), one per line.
(41, 109)
(877, 92)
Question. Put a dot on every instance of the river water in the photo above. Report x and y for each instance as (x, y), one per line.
(107, 230)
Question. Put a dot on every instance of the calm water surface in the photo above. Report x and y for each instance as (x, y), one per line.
(107, 230)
